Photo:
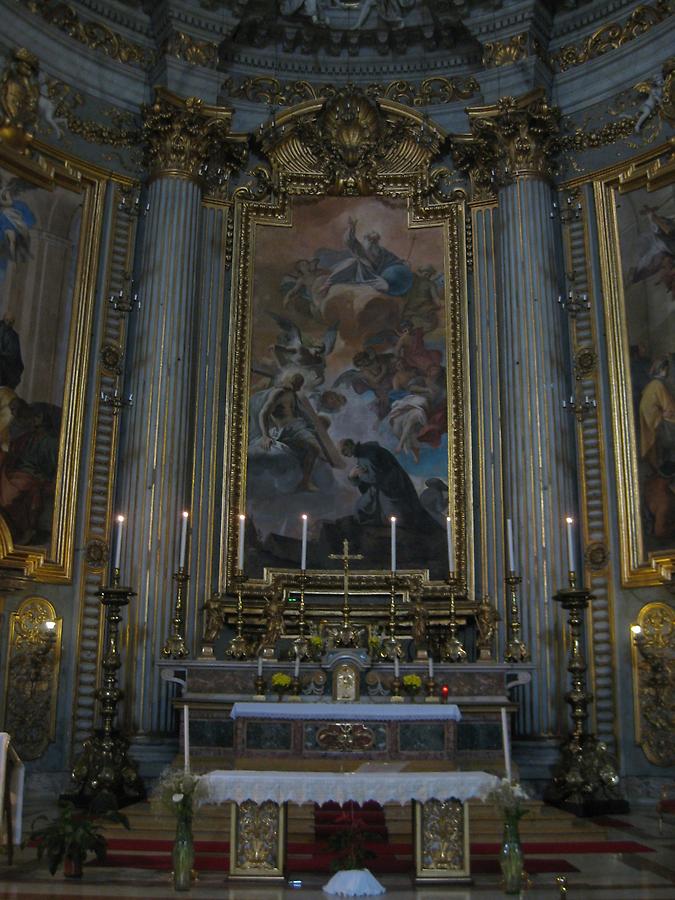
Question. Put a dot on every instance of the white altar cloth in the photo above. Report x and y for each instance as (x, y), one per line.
(352, 712)
(238, 785)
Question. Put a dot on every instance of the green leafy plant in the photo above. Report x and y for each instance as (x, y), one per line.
(349, 843)
(176, 792)
(71, 835)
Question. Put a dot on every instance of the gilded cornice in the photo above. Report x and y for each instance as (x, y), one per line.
(612, 36)
(184, 46)
(184, 137)
(512, 138)
(432, 90)
(505, 53)
(92, 34)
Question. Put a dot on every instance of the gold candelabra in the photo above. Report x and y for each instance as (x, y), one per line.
(175, 648)
(453, 649)
(239, 648)
(516, 651)
(348, 636)
(585, 781)
(104, 776)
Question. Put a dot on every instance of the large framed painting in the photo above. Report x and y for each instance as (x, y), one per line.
(50, 219)
(347, 382)
(636, 214)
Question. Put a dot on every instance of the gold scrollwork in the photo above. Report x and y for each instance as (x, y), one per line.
(612, 36)
(32, 676)
(442, 838)
(345, 736)
(504, 53)
(654, 682)
(188, 48)
(258, 837)
(94, 35)
(435, 89)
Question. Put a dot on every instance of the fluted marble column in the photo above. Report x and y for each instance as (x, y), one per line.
(155, 478)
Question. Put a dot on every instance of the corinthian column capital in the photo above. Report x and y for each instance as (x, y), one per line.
(515, 137)
(184, 136)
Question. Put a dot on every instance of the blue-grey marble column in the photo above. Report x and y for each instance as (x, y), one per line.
(539, 470)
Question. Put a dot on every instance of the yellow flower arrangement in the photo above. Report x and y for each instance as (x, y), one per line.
(412, 683)
(281, 681)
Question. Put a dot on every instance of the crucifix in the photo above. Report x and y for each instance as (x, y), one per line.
(346, 559)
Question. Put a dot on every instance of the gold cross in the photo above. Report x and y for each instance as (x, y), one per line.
(346, 558)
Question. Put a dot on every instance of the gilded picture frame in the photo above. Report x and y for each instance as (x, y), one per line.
(41, 546)
(309, 188)
(635, 210)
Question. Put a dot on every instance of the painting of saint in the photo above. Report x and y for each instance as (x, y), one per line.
(646, 222)
(348, 374)
(39, 237)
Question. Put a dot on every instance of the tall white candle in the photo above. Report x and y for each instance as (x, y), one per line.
(570, 543)
(240, 558)
(183, 538)
(431, 667)
(451, 545)
(395, 665)
(260, 660)
(303, 555)
(118, 542)
(393, 543)
(296, 671)
(186, 737)
(509, 546)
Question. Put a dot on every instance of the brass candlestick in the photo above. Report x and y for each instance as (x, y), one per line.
(104, 776)
(347, 636)
(239, 648)
(301, 643)
(430, 687)
(175, 648)
(396, 685)
(453, 649)
(260, 687)
(585, 781)
(516, 651)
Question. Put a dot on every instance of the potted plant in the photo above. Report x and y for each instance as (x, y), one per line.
(176, 793)
(412, 685)
(70, 836)
(507, 797)
(281, 682)
(351, 878)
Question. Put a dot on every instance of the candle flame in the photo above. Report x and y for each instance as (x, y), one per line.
(304, 516)
(242, 517)
(393, 519)
(120, 519)
(636, 629)
(185, 514)
(569, 520)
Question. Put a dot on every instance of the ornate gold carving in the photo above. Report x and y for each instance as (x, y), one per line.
(111, 358)
(585, 363)
(188, 48)
(96, 553)
(505, 53)
(345, 736)
(19, 95)
(667, 104)
(441, 843)
(596, 555)
(184, 136)
(346, 683)
(351, 145)
(436, 89)
(579, 140)
(32, 676)
(94, 35)
(122, 132)
(514, 137)
(654, 679)
(612, 36)
(258, 830)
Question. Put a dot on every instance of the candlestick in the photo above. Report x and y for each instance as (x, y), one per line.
(509, 545)
(393, 543)
(186, 737)
(118, 542)
(183, 539)
(303, 555)
(431, 667)
(570, 544)
(451, 545)
(240, 558)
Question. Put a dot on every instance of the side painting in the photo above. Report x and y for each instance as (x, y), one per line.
(348, 400)
(646, 226)
(39, 238)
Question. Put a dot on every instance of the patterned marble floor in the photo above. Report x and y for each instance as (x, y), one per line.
(635, 876)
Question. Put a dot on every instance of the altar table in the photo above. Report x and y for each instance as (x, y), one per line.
(441, 832)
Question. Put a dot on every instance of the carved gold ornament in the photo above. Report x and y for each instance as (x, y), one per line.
(258, 839)
(32, 676)
(612, 36)
(19, 95)
(504, 53)
(188, 48)
(345, 736)
(442, 838)
(182, 136)
(653, 646)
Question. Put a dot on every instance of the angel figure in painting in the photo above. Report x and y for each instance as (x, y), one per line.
(293, 352)
(16, 220)
(657, 449)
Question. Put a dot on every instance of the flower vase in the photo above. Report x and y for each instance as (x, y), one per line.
(511, 856)
(183, 853)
